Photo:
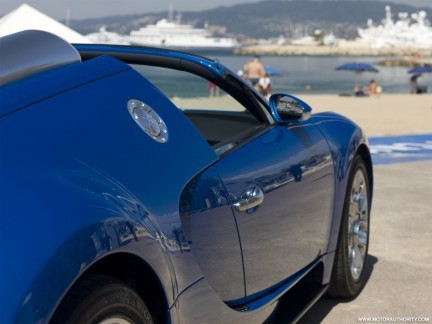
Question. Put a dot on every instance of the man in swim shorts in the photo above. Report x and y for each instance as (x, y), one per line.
(254, 70)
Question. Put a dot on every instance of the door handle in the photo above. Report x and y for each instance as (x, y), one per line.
(251, 198)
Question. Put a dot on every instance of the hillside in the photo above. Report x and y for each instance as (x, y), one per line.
(265, 19)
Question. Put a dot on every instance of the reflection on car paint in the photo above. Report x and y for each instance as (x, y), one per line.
(91, 193)
(211, 231)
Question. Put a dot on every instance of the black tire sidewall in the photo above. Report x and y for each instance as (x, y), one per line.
(354, 285)
(342, 283)
(97, 298)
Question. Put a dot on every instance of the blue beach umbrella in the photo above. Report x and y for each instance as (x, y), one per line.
(418, 71)
(421, 69)
(272, 71)
(357, 67)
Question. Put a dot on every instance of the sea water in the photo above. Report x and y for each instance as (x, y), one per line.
(318, 74)
(299, 75)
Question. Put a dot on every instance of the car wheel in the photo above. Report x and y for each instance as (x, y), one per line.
(102, 300)
(352, 248)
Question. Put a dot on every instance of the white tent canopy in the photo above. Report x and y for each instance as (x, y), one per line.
(26, 17)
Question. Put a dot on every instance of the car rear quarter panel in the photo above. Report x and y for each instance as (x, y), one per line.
(80, 181)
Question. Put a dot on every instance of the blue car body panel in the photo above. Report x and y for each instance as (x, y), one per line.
(211, 231)
(293, 167)
(345, 139)
(211, 66)
(81, 182)
(53, 176)
(41, 86)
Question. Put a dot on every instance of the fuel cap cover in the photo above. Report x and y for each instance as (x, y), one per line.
(149, 121)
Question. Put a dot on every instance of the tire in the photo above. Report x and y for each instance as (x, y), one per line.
(348, 273)
(104, 300)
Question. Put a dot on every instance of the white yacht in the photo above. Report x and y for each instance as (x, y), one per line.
(175, 35)
(399, 34)
(106, 37)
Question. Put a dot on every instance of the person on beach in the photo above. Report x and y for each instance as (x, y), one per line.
(213, 89)
(413, 83)
(358, 91)
(265, 85)
(254, 71)
(373, 88)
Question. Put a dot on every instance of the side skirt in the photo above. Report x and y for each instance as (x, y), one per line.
(300, 298)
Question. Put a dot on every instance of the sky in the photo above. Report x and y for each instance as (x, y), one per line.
(81, 9)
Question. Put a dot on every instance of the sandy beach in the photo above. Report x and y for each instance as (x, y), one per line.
(388, 114)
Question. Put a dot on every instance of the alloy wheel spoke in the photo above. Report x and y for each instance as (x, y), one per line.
(362, 238)
(358, 220)
(363, 204)
(358, 260)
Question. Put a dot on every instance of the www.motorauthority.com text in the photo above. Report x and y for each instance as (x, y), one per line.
(411, 319)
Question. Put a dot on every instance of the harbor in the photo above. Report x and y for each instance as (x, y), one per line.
(395, 44)
(398, 36)
(409, 36)
(348, 49)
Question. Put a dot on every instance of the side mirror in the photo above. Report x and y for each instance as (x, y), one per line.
(286, 108)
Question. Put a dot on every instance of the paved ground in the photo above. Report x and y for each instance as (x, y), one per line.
(400, 264)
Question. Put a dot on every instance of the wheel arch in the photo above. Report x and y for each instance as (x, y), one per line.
(364, 152)
(136, 274)
(346, 140)
(344, 283)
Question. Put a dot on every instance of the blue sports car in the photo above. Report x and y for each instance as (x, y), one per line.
(125, 198)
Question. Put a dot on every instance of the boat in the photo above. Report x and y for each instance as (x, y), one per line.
(305, 41)
(327, 40)
(176, 35)
(406, 32)
(106, 37)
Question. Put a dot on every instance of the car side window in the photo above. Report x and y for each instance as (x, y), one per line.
(222, 120)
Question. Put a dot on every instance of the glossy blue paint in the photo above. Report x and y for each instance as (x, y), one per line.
(345, 139)
(193, 304)
(75, 165)
(199, 304)
(212, 66)
(211, 231)
(293, 167)
(81, 182)
(273, 292)
(21, 95)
